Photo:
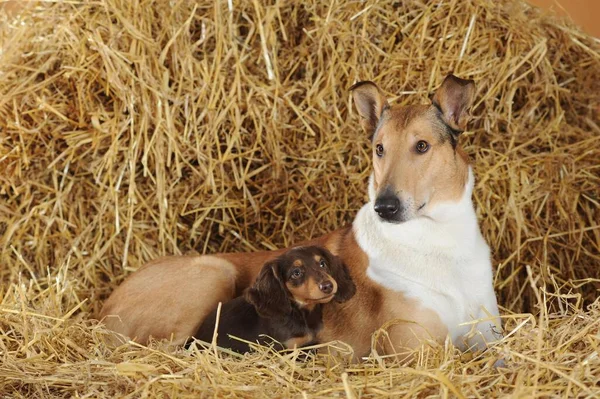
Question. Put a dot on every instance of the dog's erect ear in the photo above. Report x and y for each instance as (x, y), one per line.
(268, 293)
(370, 103)
(453, 99)
(341, 274)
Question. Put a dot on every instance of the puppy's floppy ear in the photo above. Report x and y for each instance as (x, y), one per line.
(341, 274)
(453, 99)
(268, 293)
(370, 103)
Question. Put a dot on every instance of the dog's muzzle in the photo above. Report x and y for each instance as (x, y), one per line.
(388, 206)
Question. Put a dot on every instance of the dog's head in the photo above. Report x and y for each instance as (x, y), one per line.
(305, 276)
(416, 159)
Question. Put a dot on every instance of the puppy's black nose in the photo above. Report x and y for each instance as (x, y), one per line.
(326, 287)
(387, 206)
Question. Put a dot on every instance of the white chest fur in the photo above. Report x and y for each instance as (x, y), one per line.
(442, 261)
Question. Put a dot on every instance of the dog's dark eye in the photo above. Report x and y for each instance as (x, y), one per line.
(296, 273)
(379, 150)
(323, 263)
(422, 146)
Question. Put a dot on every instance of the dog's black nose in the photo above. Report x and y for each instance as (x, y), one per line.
(326, 287)
(387, 206)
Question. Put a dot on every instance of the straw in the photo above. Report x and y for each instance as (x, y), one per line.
(134, 129)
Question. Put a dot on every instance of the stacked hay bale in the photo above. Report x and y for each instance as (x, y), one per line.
(131, 129)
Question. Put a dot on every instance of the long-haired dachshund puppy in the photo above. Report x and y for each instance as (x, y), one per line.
(285, 302)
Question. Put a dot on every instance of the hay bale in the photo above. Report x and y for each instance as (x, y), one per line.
(131, 129)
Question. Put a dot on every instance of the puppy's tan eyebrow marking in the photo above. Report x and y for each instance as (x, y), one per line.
(317, 258)
(298, 263)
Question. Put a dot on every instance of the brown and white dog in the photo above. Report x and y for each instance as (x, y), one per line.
(414, 251)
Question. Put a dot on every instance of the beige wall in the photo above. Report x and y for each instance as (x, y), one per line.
(585, 13)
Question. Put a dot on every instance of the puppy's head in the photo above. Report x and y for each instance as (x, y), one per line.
(315, 275)
(305, 275)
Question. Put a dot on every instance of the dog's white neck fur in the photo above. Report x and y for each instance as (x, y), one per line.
(439, 259)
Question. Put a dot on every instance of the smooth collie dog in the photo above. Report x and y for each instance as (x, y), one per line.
(414, 251)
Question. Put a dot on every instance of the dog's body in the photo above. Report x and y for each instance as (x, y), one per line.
(451, 275)
(284, 305)
(414, 251)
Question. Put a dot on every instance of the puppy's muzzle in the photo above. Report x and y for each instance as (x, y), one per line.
(326, 287)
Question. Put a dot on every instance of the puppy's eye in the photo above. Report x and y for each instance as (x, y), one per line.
(322, 263)
(296, 273)
(422, 146)
(379, 150)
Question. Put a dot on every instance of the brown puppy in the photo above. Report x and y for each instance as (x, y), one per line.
(284, 304)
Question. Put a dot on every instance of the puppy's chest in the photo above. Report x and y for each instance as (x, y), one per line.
(302, 329)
